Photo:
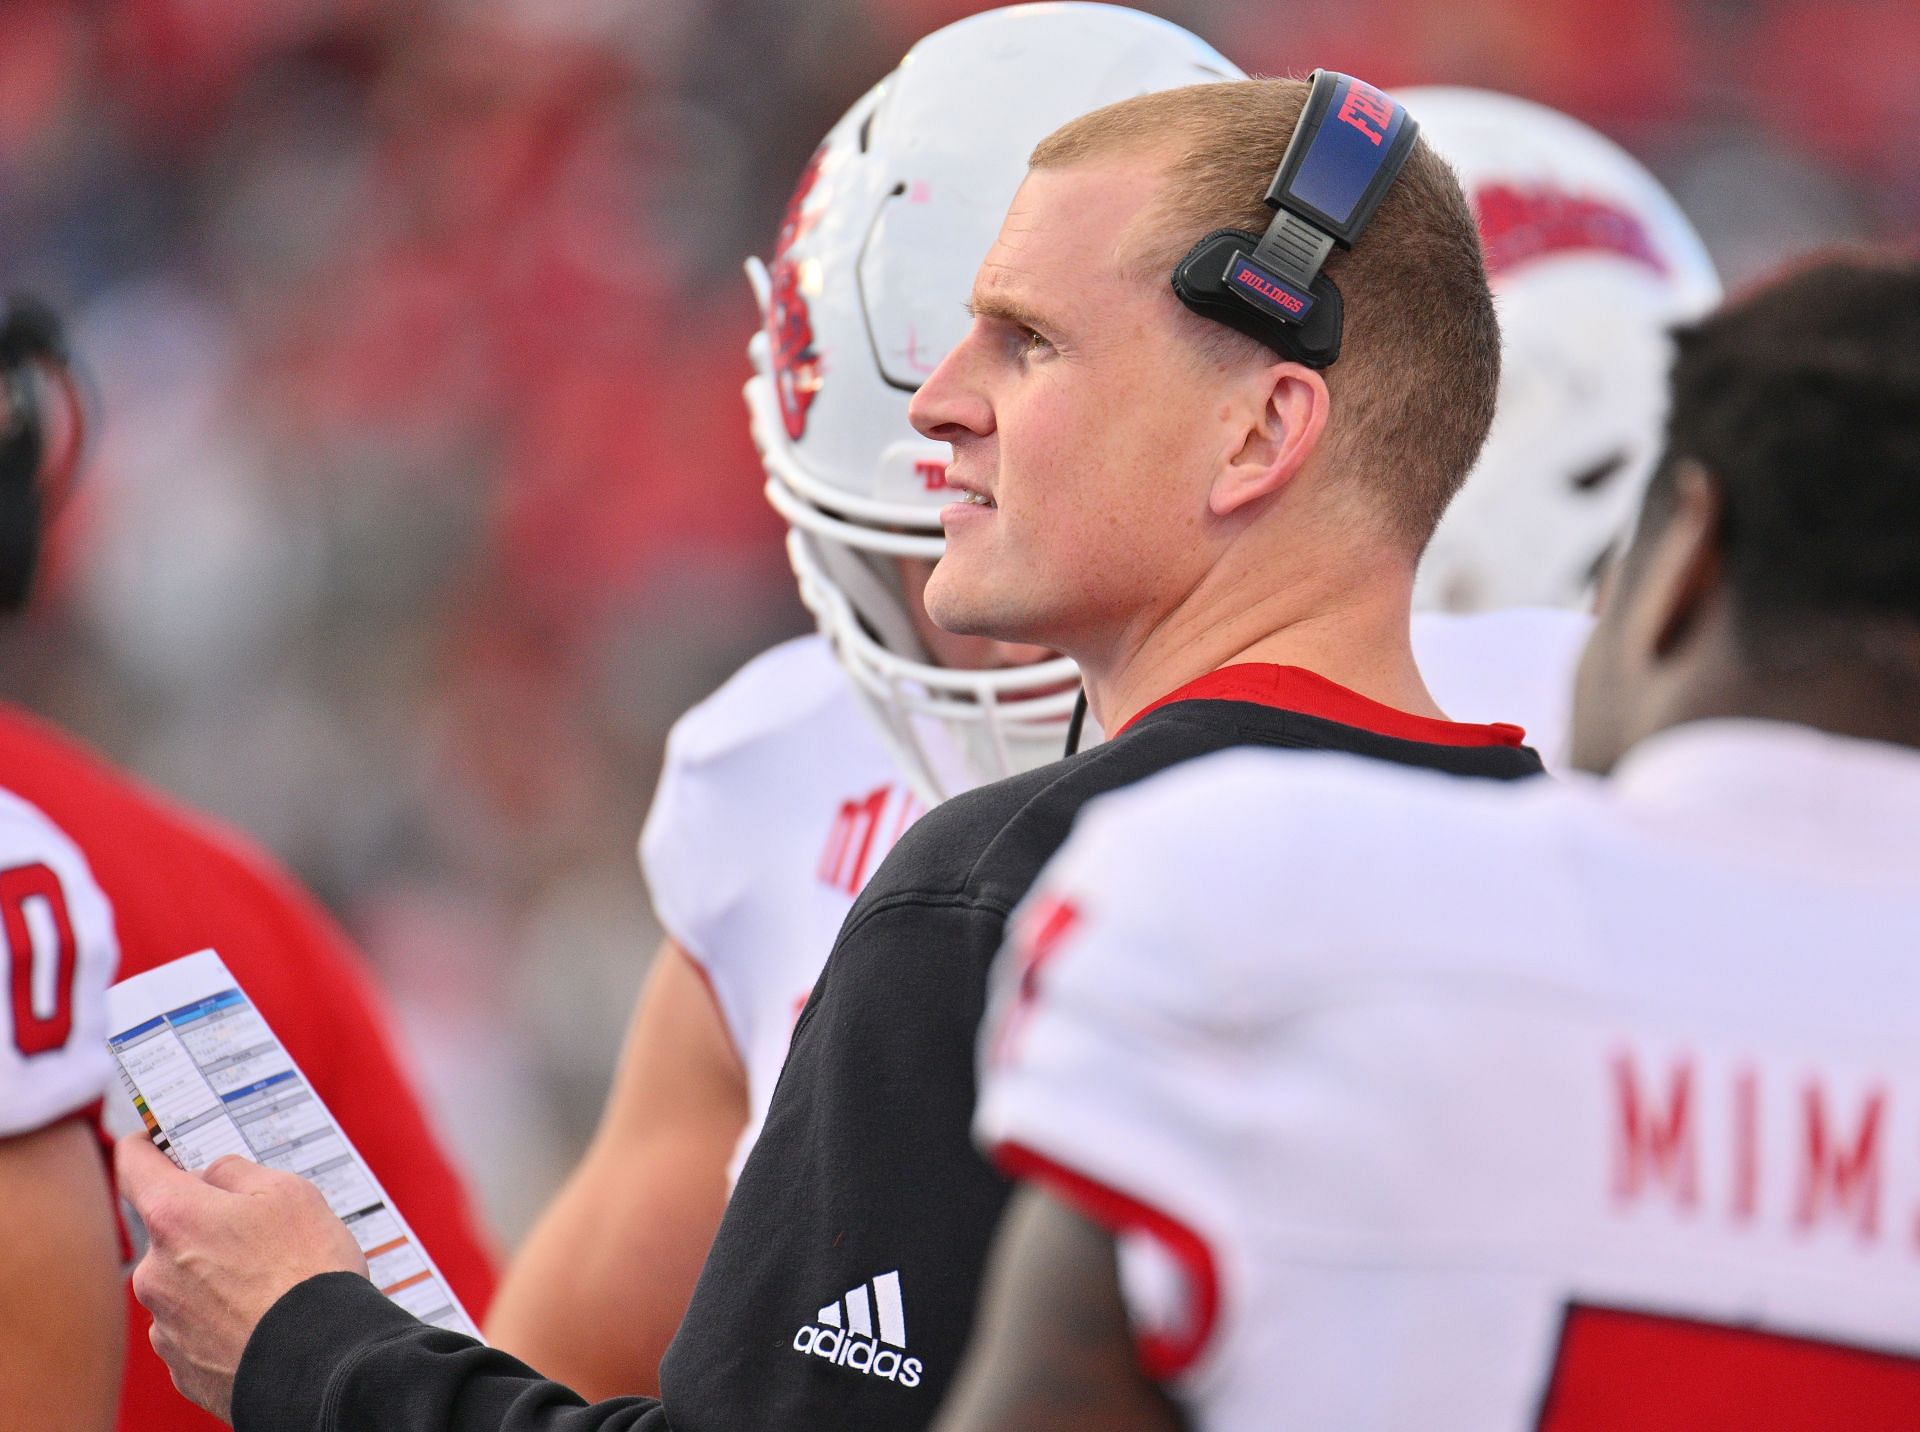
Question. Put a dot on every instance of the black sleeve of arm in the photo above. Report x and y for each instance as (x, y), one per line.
(335, 1355)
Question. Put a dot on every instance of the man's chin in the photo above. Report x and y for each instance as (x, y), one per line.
(962, 612)
(960, 621)
(946, 600)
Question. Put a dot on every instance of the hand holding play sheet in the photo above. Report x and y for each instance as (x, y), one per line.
(223, 1247)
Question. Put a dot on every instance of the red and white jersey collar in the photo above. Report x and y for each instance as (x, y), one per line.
(1294, 688)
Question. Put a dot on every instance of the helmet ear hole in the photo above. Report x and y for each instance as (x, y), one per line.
(1593, 478)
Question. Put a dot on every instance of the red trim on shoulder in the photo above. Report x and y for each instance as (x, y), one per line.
(1294, 688)
(700, 971)
(1038, 934)
(707, 981)
(705, 976)
(1163, 1355)
(94, 1114)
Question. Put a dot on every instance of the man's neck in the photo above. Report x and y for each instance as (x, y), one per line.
(1871, 703)
(1358, 638)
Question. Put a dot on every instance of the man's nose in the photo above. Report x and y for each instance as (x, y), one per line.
(950, 405)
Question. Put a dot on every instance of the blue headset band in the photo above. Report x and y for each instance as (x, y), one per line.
(1346, 151)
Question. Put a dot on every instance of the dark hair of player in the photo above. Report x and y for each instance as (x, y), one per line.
(41, 434)
(1803, 400)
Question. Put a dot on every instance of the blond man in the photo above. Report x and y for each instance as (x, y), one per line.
(1217, 513)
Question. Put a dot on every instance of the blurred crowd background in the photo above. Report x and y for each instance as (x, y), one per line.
(424, 500)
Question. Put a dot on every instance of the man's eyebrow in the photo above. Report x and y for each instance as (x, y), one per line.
(1002, 309)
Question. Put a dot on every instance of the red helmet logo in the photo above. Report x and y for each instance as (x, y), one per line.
(796, 367)
(1518, 225)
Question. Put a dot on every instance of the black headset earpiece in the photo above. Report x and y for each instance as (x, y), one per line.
(1202, 283)
(1348, 148)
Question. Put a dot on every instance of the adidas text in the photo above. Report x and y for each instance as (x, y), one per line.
(862, 1354)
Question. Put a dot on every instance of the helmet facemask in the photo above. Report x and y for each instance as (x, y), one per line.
(949, 729)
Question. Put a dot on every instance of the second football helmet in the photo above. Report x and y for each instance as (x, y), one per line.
(1592, 264)
(865, 295)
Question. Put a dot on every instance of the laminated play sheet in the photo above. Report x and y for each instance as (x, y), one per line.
(208, 1078)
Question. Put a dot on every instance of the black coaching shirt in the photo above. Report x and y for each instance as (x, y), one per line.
(841, 1286)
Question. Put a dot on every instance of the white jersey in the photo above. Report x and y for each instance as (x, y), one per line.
(58, 951)
(1475, 1106)
(777, 800)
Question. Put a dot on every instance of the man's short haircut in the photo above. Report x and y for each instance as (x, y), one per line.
(1419, 365)
(1802, 399)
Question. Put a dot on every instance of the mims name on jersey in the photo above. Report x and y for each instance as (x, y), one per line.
(843, 1332)
(1750, 1143)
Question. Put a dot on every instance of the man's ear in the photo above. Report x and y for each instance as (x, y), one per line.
(1276, 427)
(1684, 571)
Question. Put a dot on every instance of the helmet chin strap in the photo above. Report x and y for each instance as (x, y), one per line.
(872, 585)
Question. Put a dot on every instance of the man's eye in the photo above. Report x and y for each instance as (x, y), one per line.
(1031, 342)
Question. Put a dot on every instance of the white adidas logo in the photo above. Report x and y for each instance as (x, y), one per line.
(844, 1332)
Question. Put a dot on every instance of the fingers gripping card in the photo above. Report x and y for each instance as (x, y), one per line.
(206, 1077)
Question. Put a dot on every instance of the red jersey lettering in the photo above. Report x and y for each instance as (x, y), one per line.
(1840, 1174)
(31, 952)
(1654, 1143)
(843, 864)
(1746, 1145)
(1037, 939)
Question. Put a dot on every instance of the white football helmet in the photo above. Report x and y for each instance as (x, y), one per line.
(865, 295)
(1592, 264)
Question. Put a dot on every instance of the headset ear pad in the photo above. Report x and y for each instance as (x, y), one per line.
(1200, 281)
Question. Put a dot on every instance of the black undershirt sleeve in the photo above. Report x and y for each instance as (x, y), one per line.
(335, 1355)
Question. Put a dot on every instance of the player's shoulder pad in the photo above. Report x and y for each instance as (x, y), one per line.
(729, 773)
(1264, 869)
(53, 1060)
(777, 690)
